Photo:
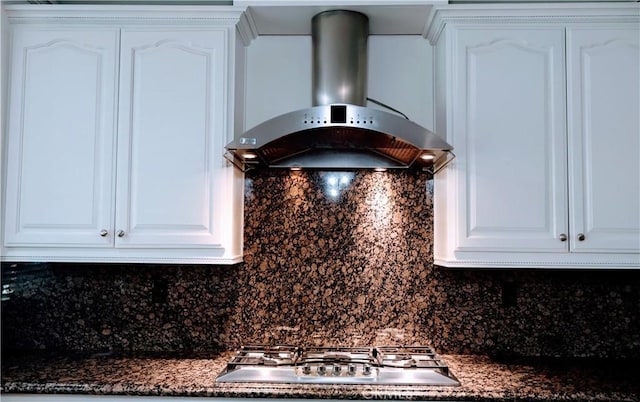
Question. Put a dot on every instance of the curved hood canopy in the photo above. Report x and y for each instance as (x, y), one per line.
(339, 132)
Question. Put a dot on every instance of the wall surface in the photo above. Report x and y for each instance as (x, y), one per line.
(279, 76)
(331, 258)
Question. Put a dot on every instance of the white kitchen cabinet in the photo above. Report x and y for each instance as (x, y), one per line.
(61, 137)
(508, 140)
(171, 117)
(117, 127)
(541, 106)
(603, 71)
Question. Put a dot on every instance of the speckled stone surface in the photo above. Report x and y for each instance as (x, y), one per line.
(482, 380)
(330, 258)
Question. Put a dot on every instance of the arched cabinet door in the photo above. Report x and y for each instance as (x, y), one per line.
(603, 70)
(508, 133)
(171, 138)
(61, 125)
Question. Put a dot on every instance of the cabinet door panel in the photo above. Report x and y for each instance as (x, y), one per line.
(604, 137)
(170, 134)
(509, 137)
(61, 137)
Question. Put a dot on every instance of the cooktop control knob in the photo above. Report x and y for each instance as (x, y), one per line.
(336, 369)
(306, 369)
(322, 370)
(352, 369)
(366, 370)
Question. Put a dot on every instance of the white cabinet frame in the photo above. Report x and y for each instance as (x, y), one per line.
(589, 209)
(138, 198)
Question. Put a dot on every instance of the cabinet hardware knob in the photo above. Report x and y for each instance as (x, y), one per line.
(581, 237)
(104, 232)
(120, 233)
(563, 237)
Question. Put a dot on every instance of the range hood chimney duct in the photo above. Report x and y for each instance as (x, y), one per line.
(339, 40)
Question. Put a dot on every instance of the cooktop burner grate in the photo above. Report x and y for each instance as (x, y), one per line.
(264, 356)
(397, 365)
(409, 357)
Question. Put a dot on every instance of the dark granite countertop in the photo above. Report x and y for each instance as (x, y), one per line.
(482, 379)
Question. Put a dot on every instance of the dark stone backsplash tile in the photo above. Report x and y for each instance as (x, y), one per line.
(349, 265)
(79, 307)
(343, 258)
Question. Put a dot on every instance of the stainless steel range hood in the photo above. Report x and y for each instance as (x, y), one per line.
(339, 131)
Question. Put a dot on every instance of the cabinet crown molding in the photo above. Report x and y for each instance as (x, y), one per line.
(123, 15)
(441, 15)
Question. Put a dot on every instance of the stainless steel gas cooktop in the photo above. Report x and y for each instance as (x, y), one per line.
(391, 365)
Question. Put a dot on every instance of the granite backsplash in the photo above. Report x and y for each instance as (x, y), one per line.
(330, 257)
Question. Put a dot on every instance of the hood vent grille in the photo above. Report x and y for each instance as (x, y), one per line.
(340, 139)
